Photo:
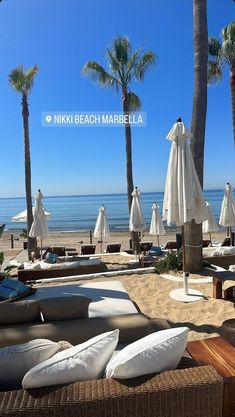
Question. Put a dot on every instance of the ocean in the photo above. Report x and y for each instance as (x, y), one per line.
(79, 213)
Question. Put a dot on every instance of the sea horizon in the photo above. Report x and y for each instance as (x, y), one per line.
(78, 213)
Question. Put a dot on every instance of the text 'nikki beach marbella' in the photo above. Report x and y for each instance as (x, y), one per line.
(75, 119)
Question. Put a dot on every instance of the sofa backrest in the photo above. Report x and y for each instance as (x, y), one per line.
(132, 327)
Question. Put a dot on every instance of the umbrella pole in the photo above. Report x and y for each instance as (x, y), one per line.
(101, 243)
(210, 236)
(231, 235)
(185, 276)
(158, 241)
(41, 249)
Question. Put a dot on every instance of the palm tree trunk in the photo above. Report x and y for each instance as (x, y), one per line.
(129, 174)
(193, 232)
(25, 114)
(232, 89)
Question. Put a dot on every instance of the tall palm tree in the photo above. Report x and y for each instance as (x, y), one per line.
(21, 80)
(124, 65)
(222, 54)
(193, 231)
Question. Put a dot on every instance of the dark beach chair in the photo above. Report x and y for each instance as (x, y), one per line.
(145, 246)
(88, 249)
(113, 247)
(226, 241)
(206, 243)
(171, 244)
(59, 250)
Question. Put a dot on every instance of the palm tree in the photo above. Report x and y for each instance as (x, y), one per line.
(124, 66)
(21, 80)
(193, 231)
(222, 54)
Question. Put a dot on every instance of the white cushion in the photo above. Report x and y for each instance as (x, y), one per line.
(16, 360)
(91, 261)
(224, 250)
(156, 352)
(82, 362)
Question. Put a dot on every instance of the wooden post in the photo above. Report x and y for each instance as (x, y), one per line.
(12, 241)
(91, 237)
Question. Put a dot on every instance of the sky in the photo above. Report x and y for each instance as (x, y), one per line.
(60, 36)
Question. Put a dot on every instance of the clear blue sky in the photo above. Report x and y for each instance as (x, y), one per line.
(60, 36)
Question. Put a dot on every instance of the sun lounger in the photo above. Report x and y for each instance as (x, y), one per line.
(88, 249)
(226, 241)
(113, 247)
(170, 244)
(145, 246)
(206, 243)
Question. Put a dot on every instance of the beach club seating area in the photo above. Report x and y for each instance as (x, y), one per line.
(77, 313)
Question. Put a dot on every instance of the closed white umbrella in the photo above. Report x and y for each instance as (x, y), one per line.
(209, 225)
(183, 198)
(156, 226)
(102, 227)
(39, 228)
(136, 221)
(227, 213)
(22, 216)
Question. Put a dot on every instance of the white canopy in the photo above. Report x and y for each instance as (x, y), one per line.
(183, 198)
(209, 225)
(102, 226)
(227, 214)
(39, 226)
(22, 216)
(156, 226)
(136, 222)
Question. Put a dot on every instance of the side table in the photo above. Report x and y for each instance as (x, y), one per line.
(217, 352)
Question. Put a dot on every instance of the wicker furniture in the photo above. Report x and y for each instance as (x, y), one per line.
(193, 392)
(227, 331)
(217, 352)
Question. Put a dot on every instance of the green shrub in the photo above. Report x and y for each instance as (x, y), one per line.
(24, 234)
(171, 262)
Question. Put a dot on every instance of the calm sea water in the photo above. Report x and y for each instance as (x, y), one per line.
(79, 213)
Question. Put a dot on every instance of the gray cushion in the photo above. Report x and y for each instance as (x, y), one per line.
(27, 311)
(64, 308)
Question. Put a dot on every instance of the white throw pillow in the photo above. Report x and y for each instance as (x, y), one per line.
(16, 360)
(82, 362)
(156, 352)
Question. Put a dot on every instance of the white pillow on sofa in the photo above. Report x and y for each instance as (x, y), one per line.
(16, 360)
(82, 362)
(157, 352)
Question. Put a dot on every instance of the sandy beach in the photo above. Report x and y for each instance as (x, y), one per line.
(149, 291)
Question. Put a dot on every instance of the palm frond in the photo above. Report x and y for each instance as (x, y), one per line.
(21, 80)
(214, 47)
(132, 64)
(227, 52)
(99, 74)
(114, 66)
(122, 49)
(214, 72)
(147, 60)
(17, 78)
(29, 77)
(134, 102)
